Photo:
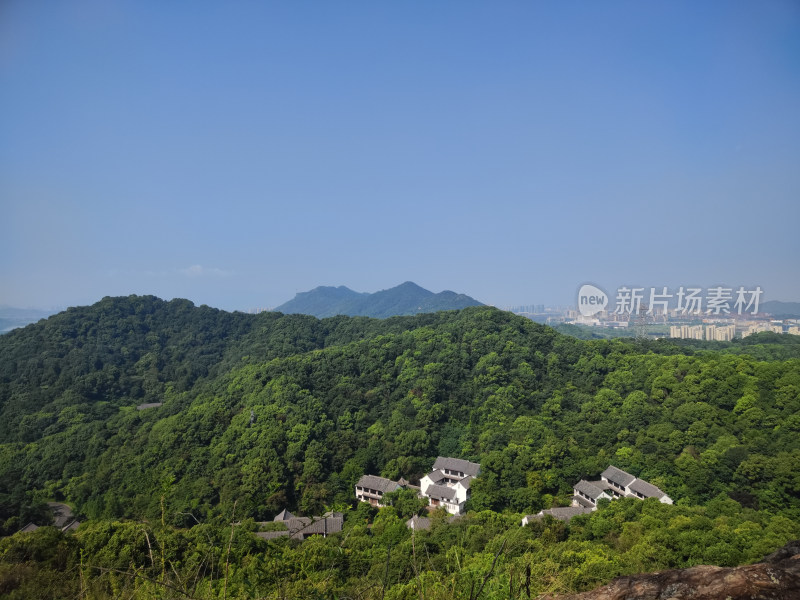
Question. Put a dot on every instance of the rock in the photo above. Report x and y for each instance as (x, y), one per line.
(778, 577)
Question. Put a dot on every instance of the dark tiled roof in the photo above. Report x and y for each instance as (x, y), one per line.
(602, 485)
(29, 527)
(381, 484)
(618, 476)
(589, 488)
(271, 535)
(583, 502)
(440, 491)
(416, 522)
(436, 475)
(648, 490)
(465, 483)
(284, 515)
(565, 513)
(149, 405)
(71, 527)
(457, 464)
(302, 526)
(62, 513)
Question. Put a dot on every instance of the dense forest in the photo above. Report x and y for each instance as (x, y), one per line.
(271, 411)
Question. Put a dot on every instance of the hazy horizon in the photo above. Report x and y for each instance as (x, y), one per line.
(235, 154)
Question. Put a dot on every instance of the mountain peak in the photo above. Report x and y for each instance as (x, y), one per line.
(408, 298)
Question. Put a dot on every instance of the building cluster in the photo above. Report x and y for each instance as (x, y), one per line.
(725, 333)
(614, 483)
(759, 327)
(715, 333)
(447, 485)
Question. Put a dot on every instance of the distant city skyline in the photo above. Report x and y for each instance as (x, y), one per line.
(236, 154)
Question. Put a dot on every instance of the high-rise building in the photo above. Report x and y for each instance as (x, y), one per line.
(687, 332)
(724, 333)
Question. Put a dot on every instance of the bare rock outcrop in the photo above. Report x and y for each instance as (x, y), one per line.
(778, 577)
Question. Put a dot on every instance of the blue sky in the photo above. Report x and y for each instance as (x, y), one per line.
(236, 153)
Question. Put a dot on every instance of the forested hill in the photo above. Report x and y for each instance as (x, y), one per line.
(336, 398)
(271, 411)
(129, 350)
(405, 299)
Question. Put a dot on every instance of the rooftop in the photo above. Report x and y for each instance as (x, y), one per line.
(436, 475)
(648, 490)
(583, 502)
(440, 492)
(381, 484)
(564, 513)
(590, 488)
(457, 464)
(618, 476)
(300, 527)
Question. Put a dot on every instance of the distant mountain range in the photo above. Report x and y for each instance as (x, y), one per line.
(781, 310)
(327, 301)
(405, 299)
(11, 318)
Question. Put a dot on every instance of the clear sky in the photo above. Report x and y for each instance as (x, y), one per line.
(235, 153)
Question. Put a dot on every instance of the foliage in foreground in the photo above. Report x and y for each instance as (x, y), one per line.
(486, 554)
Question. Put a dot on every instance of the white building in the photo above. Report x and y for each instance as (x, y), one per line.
(371, 488)
(624, 484)
(614, 483)
(447, 485)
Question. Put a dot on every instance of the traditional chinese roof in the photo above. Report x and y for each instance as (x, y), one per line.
(590, 488)
(457, 464)
(416, 522)
(440, 492)
(284, 515)
(271, 535)
(302, 526)
(648, 490)
(583, 502)
(619, 476)
(564, 513)
(381, 484)
(71, 526)
(436, 475)
(465, 483)
(28, 528)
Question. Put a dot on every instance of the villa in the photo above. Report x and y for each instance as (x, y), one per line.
(615, 483)
(448, 484)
